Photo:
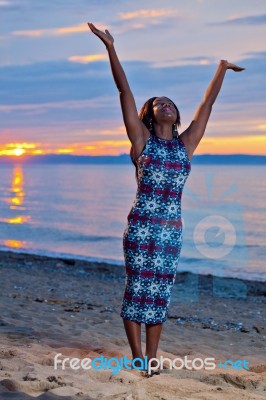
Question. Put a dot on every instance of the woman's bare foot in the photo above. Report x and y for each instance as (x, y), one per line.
(139, 363)
(156, 371)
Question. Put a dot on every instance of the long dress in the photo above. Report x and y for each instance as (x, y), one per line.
(152, 239)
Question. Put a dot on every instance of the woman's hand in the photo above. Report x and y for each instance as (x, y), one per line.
(105, 37)
(234, 67)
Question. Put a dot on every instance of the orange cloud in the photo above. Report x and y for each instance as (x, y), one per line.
(88, 59)
(16, 244)
(107, 147)
(95, 147)
(143, 18)
(146, 14)
(261, 127)
(65, 151)
(116, 131)
(233, 145)
(67, 30)
(16, 149)
(115, 142)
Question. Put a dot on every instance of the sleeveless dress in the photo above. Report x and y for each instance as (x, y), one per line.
(152, 239)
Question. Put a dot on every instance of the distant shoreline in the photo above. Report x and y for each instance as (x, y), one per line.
(231, 159)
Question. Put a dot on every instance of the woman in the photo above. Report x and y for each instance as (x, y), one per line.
(153, 237)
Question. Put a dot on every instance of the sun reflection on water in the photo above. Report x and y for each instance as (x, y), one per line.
(16, 206)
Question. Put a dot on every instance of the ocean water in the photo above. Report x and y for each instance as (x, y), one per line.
(81, 211)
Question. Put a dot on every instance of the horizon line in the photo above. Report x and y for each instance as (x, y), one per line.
(119, 155)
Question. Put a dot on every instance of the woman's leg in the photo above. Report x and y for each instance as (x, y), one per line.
(133, 331)
(153, 333)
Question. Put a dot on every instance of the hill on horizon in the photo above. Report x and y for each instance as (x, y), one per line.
(125, 159)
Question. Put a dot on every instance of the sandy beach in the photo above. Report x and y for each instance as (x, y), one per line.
(51, 306)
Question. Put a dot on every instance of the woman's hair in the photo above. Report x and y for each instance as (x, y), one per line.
(146, 115)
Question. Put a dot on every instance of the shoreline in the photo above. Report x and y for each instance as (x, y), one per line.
(55, 305)
(73, 259)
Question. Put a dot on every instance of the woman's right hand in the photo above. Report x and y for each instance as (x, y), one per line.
(105, 37)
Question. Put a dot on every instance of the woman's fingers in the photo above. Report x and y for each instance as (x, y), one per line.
(97, 31)
(235, 68)
(239, 68)
(93, 27)
(229, 65)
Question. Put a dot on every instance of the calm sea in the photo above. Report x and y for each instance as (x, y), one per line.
(81, 211)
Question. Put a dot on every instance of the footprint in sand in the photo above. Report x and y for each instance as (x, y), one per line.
(258, 369)
(31, 386)
(8, 353)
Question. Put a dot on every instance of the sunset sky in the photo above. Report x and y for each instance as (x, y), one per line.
(56, 89)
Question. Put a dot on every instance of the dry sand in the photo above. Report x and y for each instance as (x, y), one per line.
(51, 306)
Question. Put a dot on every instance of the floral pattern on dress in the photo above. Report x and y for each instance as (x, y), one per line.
(152, 239)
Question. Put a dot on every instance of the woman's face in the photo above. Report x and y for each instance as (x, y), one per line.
(164, 110)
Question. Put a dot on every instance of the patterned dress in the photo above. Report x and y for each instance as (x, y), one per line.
(152, 239)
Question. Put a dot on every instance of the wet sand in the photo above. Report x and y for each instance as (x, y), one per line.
(72, 307)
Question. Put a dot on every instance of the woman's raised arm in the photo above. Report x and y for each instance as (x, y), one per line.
(194, 133)
(134, 126)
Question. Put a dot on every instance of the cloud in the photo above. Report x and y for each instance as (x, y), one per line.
(88, 59)
(256, 54)
(248, 20)
(262, 127)
(126, 22)
(12, 5)
(55, 105)
(197, 60)
(68, 30)
(56, 100)
(146, 14)
(144, 18)
(56, 81)
(62, 138)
